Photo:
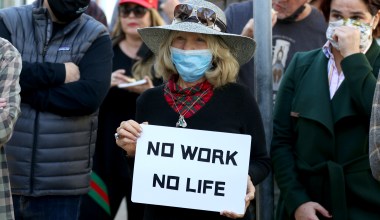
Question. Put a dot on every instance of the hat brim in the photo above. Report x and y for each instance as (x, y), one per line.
(241, 47)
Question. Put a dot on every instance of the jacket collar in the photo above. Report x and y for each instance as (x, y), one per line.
(318, 97)
(373, 52)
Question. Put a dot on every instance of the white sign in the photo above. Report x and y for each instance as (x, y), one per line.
(190, 168)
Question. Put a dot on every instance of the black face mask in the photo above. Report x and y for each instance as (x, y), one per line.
(68, 10)
(292, 18)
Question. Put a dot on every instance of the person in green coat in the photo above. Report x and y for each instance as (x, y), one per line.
(321, 121)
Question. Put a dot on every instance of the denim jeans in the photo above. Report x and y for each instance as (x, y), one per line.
(46, 207)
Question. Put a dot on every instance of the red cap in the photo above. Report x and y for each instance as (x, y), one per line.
(144, 3)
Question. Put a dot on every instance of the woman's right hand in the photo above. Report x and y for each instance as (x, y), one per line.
(118, 76)
(127, 134)
(308, 211)
(348, 39)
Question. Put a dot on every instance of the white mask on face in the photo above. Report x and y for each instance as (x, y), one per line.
(365, 32)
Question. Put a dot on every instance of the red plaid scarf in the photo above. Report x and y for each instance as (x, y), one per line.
(187, 101)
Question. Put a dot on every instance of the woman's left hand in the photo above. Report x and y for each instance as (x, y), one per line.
(348, 39)
(250, 196)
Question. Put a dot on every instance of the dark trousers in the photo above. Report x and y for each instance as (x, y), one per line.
(46, 207)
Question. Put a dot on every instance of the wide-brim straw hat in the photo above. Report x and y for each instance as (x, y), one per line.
(241, 47)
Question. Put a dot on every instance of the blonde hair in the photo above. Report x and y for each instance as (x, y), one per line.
(142, 67)
(225, 66)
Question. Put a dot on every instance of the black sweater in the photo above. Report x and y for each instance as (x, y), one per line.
(231, 109)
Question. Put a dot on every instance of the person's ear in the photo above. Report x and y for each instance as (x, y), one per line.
(376, 20)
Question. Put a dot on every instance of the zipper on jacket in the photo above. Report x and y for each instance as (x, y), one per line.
(44, 52)
(34, 149)
(47, 39)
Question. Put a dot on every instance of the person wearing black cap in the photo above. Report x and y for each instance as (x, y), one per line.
(67, 63)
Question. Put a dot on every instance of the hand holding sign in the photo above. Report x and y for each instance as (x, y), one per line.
(127, 134)
(250, 196)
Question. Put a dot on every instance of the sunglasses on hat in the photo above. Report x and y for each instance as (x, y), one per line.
(205, 16)
(138, 11)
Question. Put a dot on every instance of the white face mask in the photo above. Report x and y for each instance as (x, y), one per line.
(365, 32)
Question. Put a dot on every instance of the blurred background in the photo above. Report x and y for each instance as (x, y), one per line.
(106, 5)
(108, 8)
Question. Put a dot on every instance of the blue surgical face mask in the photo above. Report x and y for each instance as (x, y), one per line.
(191, 65)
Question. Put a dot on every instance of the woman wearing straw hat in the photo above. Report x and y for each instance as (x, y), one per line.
(199, 63)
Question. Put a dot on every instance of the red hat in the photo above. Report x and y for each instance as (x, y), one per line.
(144, 3)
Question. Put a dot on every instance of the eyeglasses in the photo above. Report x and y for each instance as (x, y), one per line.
(138, 11)
(205, 16)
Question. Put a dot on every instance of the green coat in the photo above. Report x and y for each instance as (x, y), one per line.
(320, 146)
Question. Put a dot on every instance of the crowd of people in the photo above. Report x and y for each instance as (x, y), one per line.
(76, 92)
